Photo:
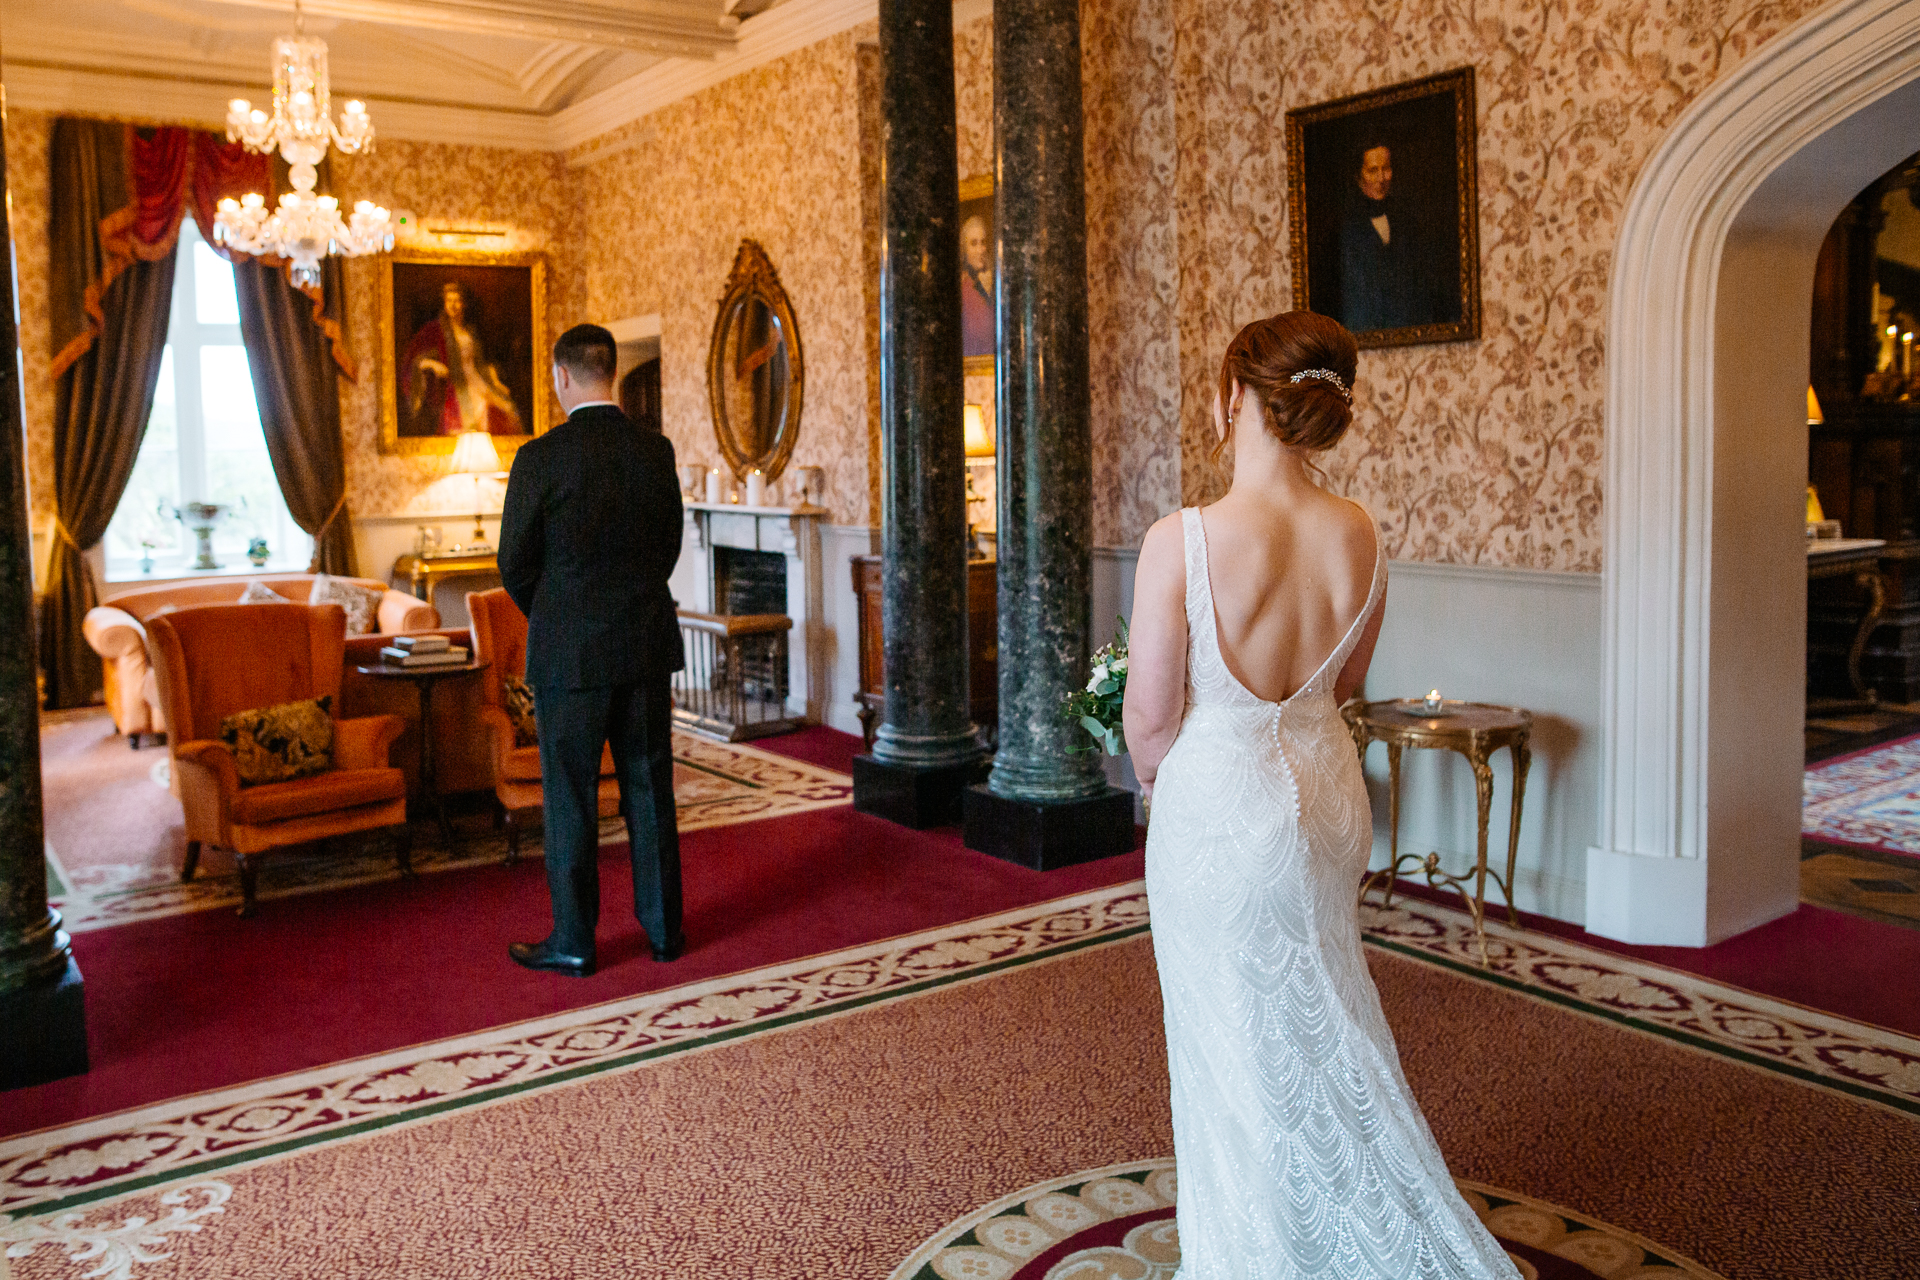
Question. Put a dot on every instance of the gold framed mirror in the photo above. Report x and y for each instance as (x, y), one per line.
(755, 376)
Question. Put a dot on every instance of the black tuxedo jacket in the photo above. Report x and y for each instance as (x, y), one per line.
(590, 533)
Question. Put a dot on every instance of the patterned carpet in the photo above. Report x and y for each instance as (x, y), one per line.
(825, 1116)
(115, 839)
(1106, 1224)
(1860, 829)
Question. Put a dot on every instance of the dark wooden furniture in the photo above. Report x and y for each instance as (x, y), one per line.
(983, 644)
(425, 678)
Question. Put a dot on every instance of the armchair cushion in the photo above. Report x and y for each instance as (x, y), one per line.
(258, 592)
(361, 602)
(321, 793)
(288, 740)
(518, 696)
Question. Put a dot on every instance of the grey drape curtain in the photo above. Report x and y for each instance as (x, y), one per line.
(104, 388)
(294, 383)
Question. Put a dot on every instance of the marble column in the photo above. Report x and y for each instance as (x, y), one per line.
(43, 1033)
(1043, 804)
(926, 749)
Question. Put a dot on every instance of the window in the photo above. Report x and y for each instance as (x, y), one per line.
(203, 441)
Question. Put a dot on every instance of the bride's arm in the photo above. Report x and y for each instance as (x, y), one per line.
(1354, 674)
(1157, 649)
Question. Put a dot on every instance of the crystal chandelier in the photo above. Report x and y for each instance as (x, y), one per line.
(306, 227)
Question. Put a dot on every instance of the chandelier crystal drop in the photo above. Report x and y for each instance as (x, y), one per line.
(306, 227)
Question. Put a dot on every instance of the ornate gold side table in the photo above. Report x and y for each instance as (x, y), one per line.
(1476, 730)
(421, 571)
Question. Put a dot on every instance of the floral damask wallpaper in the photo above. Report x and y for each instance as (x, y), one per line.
(771, 155)
(28, 135)
(1478, 453)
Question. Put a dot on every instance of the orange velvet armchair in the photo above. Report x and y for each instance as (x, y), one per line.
(500, 639)
(214, 660)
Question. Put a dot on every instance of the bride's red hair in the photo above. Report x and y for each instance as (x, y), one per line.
(1263, 357)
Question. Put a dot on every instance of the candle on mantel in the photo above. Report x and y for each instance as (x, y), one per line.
(756, 488)
(1433, 700)
(713, 484)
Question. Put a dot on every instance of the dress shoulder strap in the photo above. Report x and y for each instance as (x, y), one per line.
(1199, 593)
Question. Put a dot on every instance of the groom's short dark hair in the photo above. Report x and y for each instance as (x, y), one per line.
(587, 352)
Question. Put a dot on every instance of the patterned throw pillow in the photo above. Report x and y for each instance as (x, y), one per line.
(258, 592)
(519, 696)
(273, 744)
(361, 603)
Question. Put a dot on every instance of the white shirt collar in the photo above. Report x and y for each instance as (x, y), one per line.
(592, 404)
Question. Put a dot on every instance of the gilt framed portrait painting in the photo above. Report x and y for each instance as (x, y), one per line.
(976, 275)
(1384, 208)
(462, 347)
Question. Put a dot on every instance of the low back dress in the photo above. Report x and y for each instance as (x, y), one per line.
(1301, 1151)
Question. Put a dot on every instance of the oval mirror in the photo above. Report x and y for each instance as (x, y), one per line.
(754, 369)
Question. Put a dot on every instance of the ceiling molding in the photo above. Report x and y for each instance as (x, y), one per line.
(95, 93)
(687, 30)
(773, 34)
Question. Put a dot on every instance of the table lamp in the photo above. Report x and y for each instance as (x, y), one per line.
(474, 454)
(978, 447)
(1815, 418)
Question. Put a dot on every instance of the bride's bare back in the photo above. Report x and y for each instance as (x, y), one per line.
(1289, 578)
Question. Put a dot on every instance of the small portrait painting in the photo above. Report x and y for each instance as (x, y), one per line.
(976, 274)
(1385, 211)
(463, 348)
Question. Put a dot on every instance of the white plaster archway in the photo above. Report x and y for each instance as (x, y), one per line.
(1705, 607)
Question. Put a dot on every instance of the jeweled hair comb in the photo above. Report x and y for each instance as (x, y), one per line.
(1325, 375)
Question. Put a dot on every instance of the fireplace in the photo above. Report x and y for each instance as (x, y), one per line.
(749, 589)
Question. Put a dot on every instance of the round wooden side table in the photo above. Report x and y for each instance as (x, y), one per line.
(1476, 730)
(425, 678)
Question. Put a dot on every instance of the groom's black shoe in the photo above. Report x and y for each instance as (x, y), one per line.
(550, 959)
(671, 951)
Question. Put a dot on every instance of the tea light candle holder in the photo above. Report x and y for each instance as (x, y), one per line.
(1433, 703)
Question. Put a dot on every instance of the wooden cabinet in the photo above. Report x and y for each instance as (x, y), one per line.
(983, 644)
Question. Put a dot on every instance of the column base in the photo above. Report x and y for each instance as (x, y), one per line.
(1044, 835)
(913, 796)
(45, 1036)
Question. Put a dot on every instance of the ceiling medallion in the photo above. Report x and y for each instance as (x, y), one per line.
(306, 227)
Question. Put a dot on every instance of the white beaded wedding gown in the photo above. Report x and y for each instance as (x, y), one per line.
(1301, 1151)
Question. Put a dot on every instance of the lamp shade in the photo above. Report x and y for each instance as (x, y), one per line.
(474, 452)
(978, 443)
(1814, 416)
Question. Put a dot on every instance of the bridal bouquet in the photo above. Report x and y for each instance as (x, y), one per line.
(1097, 707)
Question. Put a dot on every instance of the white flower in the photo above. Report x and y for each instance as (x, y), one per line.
(1099, 674)
(1119, 665)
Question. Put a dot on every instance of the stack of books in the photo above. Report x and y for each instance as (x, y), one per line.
(423, 651)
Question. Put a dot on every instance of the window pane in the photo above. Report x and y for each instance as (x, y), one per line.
(214, 301)
(226, 400)
(154, 488)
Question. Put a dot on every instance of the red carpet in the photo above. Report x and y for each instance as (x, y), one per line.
(1829, 960)
(204, 1000)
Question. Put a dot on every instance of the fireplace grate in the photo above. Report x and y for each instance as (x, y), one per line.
(735, 683)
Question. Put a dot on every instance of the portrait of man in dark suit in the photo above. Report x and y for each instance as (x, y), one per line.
(1383, 211)
(590, 532)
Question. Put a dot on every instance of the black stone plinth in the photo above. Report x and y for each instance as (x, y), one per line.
(917, 796)
(1045, 835)
(43, 1031)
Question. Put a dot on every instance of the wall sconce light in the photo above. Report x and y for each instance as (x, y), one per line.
(978, 446)
(1814, 416)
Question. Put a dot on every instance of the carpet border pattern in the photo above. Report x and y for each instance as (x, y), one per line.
(191, 1137)
(773, 786)
(1873, 1064)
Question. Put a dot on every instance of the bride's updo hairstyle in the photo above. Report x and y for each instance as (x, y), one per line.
(1301, 366)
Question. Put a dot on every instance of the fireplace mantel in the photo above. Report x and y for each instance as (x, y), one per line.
(794, 534)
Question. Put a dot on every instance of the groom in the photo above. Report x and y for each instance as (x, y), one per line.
(590, 532)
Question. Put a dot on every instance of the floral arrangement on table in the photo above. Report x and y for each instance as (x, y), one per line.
(1097, 707)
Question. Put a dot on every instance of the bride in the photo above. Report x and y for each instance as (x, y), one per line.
(1301, 1151)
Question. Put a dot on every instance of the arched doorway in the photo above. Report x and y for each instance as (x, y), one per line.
(1704, 610)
